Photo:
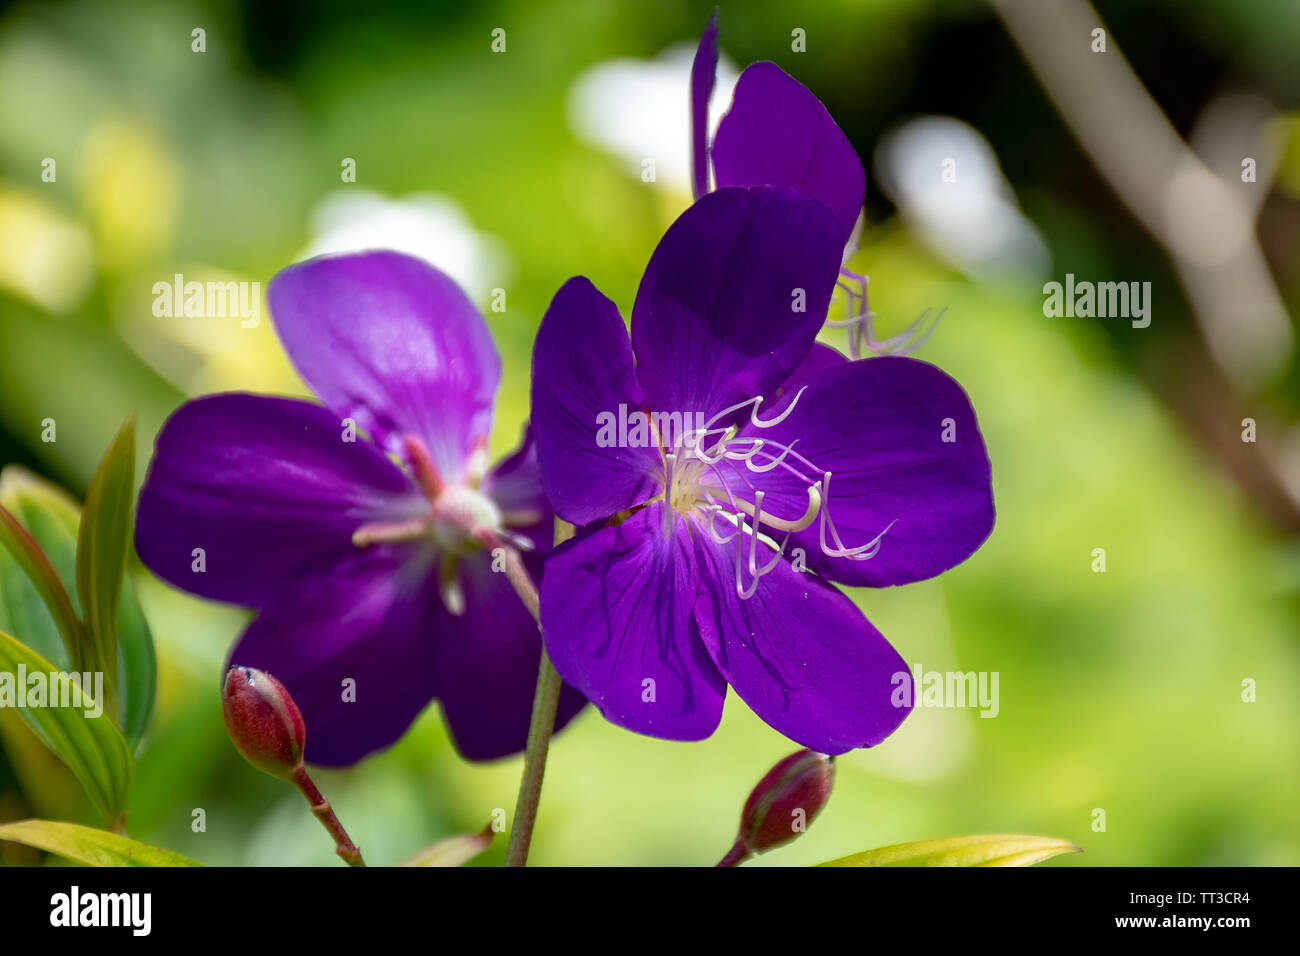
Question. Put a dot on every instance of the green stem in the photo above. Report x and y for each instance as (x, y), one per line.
(546, 699)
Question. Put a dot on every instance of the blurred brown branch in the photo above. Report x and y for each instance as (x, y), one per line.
(1204, 225)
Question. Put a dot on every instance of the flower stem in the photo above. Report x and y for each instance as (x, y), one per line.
(735, 856)
(326, 815)
(546, 699)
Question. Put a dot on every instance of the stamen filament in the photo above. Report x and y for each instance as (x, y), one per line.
(422, 467)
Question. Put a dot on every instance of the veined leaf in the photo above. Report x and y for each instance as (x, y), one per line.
(102, 544)
(53, 518)
(26, 555)
(92, 747)
(453, 851)
(977, 850)
(88, 846)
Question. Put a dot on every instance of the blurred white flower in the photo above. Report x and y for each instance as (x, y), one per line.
(427, 225)
(641, 109)
(948, 186)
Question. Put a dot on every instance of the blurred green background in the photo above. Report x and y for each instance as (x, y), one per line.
(1120, 691)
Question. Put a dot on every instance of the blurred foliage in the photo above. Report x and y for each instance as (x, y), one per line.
(1119, 691)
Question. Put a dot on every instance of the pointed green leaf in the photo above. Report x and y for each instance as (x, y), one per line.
(977, 850)
(25, 555)
(91, 746)
(53, 518)
(137, 668)
(88, 846)
(102, 545)
(453, 851)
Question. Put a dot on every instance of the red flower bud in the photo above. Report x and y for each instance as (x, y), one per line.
(265, 724)
(783, 804)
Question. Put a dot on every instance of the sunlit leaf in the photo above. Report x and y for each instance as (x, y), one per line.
(997, 849)
(102, 545)
(53, 518)
(24, 556)
(92, 747)
(453, 851)
(88, 846)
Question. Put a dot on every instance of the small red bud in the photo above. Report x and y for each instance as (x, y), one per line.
(783, 804)
(265, 724)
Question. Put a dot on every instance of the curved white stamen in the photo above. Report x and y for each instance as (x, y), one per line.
(783, 524)
(860, 322)
(757, 448)
(862, 553)
(768, 423)
(693, 439)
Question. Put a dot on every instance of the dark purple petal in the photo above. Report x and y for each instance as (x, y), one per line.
(389, 341)
(487, 661)
(878, 425)
(268, 489)
(616, 613)
(582, 370)
(800, 654)
(716, 319)
(515, 485)
(819, 358)
(368, 623)
(777, 133)
(704, 70)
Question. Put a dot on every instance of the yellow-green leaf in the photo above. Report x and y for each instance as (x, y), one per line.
(53, 518)
(453, 851)
(88, 846)
(999, 849)
(102, 544)
(25, 555)
(92, 747)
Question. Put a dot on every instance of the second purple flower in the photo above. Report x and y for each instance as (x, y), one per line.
(750, 468)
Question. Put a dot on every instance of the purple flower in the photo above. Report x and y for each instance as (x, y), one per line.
(365, 559)
(706, 553)
(777, 133)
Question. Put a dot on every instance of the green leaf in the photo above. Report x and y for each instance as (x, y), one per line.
(53, 518)
(998, 849)
(102, 545)
(92, 747)
(453, 851)
(25, 555)
(137, 668)
(88, 846)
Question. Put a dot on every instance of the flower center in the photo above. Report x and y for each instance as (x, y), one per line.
(460, 518)
(708, 475)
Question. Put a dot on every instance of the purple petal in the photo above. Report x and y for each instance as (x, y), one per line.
(582, 369)
(367, 623)
(515, 485)
(878, 425)
(616, 613)
(487, 661)
(800, 654)
(268, 489)
(777, 133)
(819, 358)
(716, 319)
(704, 70)
(389, 341)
